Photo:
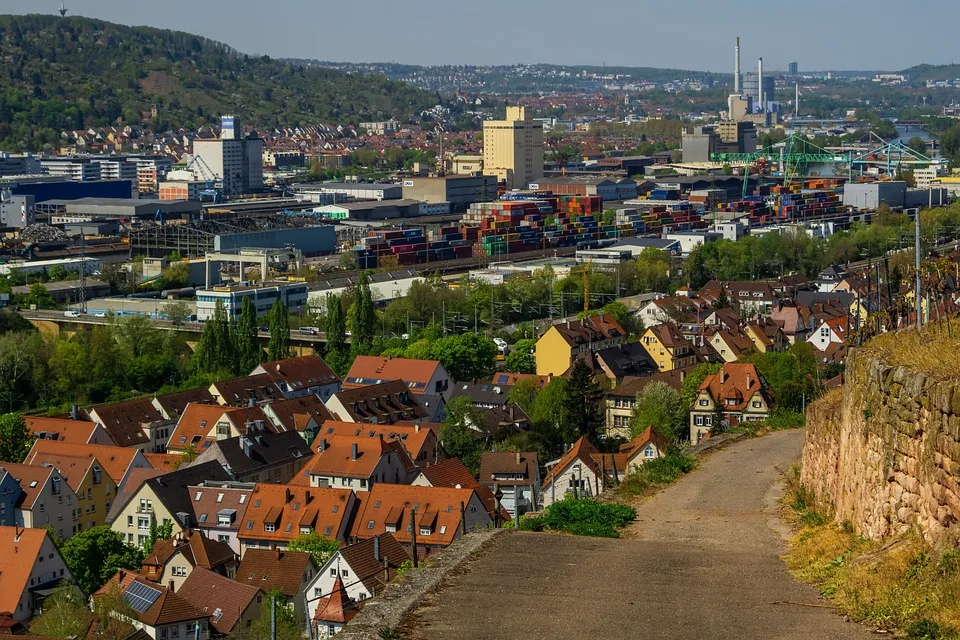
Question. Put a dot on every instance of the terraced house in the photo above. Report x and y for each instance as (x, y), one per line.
(668, 348)
(564, 343)
(94, 488)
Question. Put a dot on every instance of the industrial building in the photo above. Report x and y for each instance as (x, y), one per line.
(235, 161)
(44, 188)
(383, 210)
(69, 291)
(894, 194)
(355, 190)
(18, 165)
(459, 191)
(513, 148)
(610, 189)
(700, 143)
(293, 295)
(96, 209)
(16, 212)
(87, 265)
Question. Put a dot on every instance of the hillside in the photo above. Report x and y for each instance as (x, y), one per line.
(74, 73)
(935, 72)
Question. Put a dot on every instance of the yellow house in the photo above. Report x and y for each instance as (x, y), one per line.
(562, 344)
(94, 487)
(767, 336)
(668, 348)
(160, 500)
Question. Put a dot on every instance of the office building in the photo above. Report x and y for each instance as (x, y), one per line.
(236, 161)
(76, 168)
(21, 165)
(794, 69)
(513, 148)
(293, 296)
(117, 168)
(151, 170)
(459, 191)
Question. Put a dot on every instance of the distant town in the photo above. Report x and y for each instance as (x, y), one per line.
(255, 376)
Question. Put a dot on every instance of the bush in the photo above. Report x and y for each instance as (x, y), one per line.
(583, 517)
(655, 473)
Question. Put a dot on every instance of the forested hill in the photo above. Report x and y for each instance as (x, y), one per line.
(73, 73)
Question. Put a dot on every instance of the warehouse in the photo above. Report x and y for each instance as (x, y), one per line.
(68, 291)
(355, 190)
(310, 240)
(388, 210)
(90, 265)
(95, 209)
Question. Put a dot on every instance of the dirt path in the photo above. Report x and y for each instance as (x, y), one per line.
(701, 562)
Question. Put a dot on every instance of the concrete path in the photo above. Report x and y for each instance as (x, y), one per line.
(702, 561)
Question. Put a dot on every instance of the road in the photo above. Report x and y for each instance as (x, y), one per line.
(702, 561)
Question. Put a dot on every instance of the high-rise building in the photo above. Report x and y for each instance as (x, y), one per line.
(234, 160)
(794, 69)
(513, 148)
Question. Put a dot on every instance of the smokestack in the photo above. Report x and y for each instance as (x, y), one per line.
(796, 102)
(761, 108)
(736, 68)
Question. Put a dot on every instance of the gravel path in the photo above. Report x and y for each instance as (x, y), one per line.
(702, 561)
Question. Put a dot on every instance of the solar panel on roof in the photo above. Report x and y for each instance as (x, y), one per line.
(140, 597)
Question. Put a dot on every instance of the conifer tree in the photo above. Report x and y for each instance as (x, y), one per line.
(248, 349)
(279, 347)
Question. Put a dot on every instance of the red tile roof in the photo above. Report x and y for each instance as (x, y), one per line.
(361, 558)
(296, 374)
(124, 421)
(384, 403)
(289, 507)
(72, 468)
(219, 597)
(494, 463)
(197, 426)
(415, 438)
(196, 548)
(168, 607)
(19, 549)
(591, 329)
(290, 413)
(368, 370)
(31, 478)
(73, 431)
(337, 607)
(582, 450)
(335, 456)
(734, 381)
(450, 473)
(115, 460)
(269, 569)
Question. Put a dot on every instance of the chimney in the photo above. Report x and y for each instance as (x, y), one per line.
(354, 451)
(376, 549)
(74, 412)
(172, 586)
(749, 381)
(277, 553)
(518, 457)
(247, 445)
(736, 68)
(722, 375)
(287, 495)
(760, 106)
(416, 428)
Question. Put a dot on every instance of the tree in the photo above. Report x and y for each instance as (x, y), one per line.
(321, 548)
(162, 531)
(722, 301)
(459, 439)
(279, 346)
(524, 395)
(521, 359)
(215, 351)
(363, 319)
(94, 555)
(112, 612)
(466, 356)
(15, 368)
(583, 403)
(40, 297)
(15, 438)
(335, 329)
(348, 261)
(248, 347)
(177, 312)
(288, 626)
(65, 615)
(658, 406)
(918, 144)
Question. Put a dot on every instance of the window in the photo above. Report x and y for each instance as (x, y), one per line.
(755, 404)
(304, 530)
(223, 538)
(174, 631)
(333, 574)
(269, 527)
(143, 524)
(89, 493)
(163, 633)
(424, 531)
(370, 525)
(698, 421)
(650, 452)
(704, 403)
(443, 529)
(129, 520)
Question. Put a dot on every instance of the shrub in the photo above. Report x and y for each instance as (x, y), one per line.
(655, 473)
(583, 517)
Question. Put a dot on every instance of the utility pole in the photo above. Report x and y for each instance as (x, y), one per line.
(916, 292)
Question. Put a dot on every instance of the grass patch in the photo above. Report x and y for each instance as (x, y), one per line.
(903, 584)
(655, 473)
(779, 420)
(934, 348)
(583, 517)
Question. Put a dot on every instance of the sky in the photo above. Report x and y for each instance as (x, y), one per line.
(686, 34)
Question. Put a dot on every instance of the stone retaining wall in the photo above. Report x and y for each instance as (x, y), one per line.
(885, 450)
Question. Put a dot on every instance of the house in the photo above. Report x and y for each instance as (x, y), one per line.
(499, 422)
(483, 395)
(649, 445)
(10, 493)
(577, 473)
(507, 379)
(118, 462)
(563, 343)
(245, 391)
(359, 462)
(32, 568)
(134, 423)
(766, 335)
(436, 512)
(684, 308)
(199, 426)
(231, 605)
(258, 455)
(514, 478)
(421, 441)
(157, 610)
(364, 570)
(621, 401)
(751, 298)
(172, 560)
(95, 490)
(72, 431)
(737, 391)
(723, 317)
(45, 499)
(172, 405)
(830, 277)
(623, 361)
(832, 331)
(731, 344)
(383, 403)
(421, 376)
(290, 572)
(279, 513)
(218, 509)
(160, 500)
(453, 473)
(302, 376)
(668, 348)
(333, 611)
(303, 415)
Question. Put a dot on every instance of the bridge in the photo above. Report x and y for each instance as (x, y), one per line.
(55, 322)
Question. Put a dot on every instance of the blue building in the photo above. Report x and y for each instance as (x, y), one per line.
(9, 495)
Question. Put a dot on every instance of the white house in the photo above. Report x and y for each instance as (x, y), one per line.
(577, 473)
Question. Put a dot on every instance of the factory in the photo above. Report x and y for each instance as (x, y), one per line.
(893, 193)
(105, 209)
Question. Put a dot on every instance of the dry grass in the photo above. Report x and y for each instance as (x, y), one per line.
(903, 584)
(934, 349)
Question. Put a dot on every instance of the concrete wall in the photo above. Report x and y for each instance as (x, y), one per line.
(885, 450)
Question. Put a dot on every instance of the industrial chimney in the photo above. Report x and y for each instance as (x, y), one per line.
(736, 68)
(761, 108)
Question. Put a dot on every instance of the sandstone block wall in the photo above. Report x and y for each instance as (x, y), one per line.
(885, 450)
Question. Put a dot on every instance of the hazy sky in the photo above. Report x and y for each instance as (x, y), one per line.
(688, 34)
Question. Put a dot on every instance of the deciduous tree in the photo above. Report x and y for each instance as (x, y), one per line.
(15, 438)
